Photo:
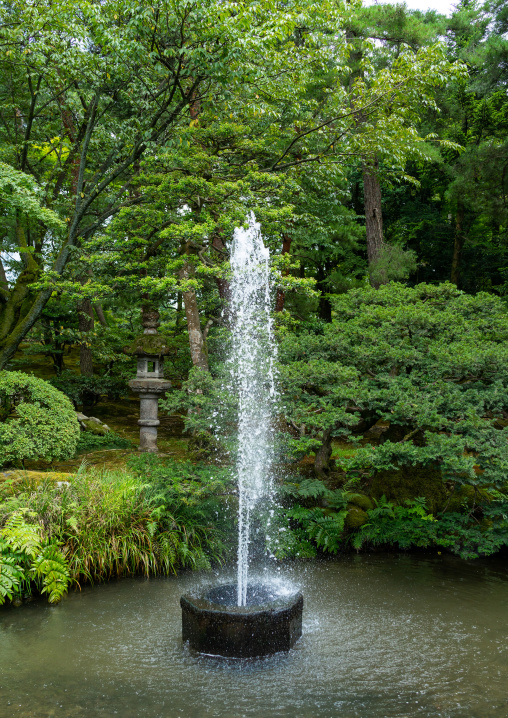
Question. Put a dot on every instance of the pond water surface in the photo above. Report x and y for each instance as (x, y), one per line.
(384, 636)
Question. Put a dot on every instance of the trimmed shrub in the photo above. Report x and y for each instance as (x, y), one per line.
(36, 420)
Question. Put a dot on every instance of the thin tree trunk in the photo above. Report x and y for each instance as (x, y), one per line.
(196, 340)
(325, 306)
(100, 314)
(179, 310)
(4, 285)
(281, 294)
(373, 217)
(458, 244)
(222, 284)
(323, 454)
(85, 325)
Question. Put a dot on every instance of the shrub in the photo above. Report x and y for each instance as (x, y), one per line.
(36, 420)
(95, 442)
(427, 363)
(88, 390)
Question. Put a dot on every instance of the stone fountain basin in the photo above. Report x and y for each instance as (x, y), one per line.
(212, 623)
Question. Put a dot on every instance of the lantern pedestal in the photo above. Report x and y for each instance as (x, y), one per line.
(149, 391)
(150, 349)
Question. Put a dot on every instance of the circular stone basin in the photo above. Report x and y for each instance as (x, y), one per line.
(214, 624)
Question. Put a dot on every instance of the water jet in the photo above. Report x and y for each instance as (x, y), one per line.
(248, 619)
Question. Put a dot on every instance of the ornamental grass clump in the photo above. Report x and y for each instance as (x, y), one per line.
(112, 524)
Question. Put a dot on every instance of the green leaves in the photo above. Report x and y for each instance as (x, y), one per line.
(36, 420)
(19, 192)
(24, 559)
(51, 566)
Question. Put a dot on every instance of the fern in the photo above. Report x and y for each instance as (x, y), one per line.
(327, 531)
(24, 560)
(51, 566)
(312, 488)
(324, 529)
(11, 575)
(21, 536)
(404, 526)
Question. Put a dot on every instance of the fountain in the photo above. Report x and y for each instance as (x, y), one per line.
(242, 619)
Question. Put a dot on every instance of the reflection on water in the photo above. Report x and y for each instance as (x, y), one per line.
(384, 636)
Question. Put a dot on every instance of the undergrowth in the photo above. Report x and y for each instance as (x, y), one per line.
(95, 442)
(155, 518)
(315, 519)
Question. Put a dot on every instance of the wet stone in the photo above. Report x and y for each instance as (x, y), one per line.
(213, 624)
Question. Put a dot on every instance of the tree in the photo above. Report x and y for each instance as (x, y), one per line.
(457, 215)
(84, 96)
(426, 366)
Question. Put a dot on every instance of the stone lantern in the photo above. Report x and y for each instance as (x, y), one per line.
(150, 349)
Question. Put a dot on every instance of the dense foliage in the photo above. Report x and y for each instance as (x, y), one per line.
(155, 518)
(36, 420)
(313, 518)
(426, 365)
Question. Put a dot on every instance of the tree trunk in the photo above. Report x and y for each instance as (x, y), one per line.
(19, 313)
(4, 285)
(85, 325)
(196, 341)
(323, 454)
(458, 244)
(222, 284)
(373, 216)
(281, 295)
(100, 314)
(179, 308)
(325, 307)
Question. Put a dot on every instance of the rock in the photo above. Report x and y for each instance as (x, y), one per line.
(411, 482)
(92, 424)
(362, 501)
(94, 428)
(356, 517)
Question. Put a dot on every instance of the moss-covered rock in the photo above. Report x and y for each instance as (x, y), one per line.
(362, 501)
(94, 428)
(356, 517)
(35, 476)
(411, 482)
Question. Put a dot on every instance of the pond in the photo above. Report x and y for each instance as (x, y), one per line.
(383, 636)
